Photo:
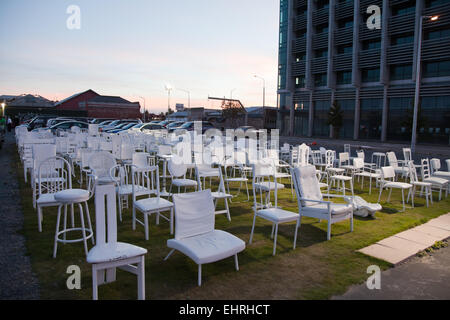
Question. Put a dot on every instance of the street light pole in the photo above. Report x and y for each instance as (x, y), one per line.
(169, 89)
(418, 80)
(144, 106)
(231, 94)
(264, 89)
(189, 96)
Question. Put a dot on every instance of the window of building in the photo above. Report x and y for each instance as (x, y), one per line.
(434, 124)
(402, 39)
(371, 44)
(321, 53)
(401, 72)
(436, 69)
(321, 4)
(301, 10)
(345, 23)
(348, 121)
(346, 48)
(300, 33)
(435, 3)
(301, 120)
(320, 80)
(300, 57)
(370, 75)
(320, 126)
(399, 124)
(404, 8)
(344, 77)
(322, 28)
(437, 34)
(300, 82)
(371, 111)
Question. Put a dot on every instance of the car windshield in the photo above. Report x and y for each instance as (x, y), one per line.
(187, 125)
(128, 126)
(139, 125)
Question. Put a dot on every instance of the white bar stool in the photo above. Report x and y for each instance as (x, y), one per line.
(71, 197)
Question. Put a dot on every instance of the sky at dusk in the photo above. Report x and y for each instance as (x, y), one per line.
(132, 48)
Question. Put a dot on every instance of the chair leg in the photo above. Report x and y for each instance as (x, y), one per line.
(236, 263)
(88, 215)
(275, 239)
(58, 220)
(146, 225)
(199, 275)
(297, 226)
(94, 283)
(329, 230)
(171, 221)
(141, 279)
(253, 228)
(134, 217)
(83, 229)
(403, 199)
(39, 216)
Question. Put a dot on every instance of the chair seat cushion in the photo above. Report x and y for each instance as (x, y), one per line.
(368, 174)
(236, 179)
(153, 204)
(209, 247)
(220, 195)
(442, 174)
(114, 251)
(72, 196)
(184, 183)
(397, 185)
(127, 189)
(341, 178)
(277, 215)
(337, 209)
(336, 170)
(436, 181)
(268, 186)
(46, 198)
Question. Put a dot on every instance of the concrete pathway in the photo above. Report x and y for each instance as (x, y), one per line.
(17, 281)
(406, 244)
(420, 278)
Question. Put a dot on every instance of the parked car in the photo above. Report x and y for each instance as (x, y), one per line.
(114, 124)
(172, 126)
(39, 122)
(189, 126)
(100, 120)
(68, 125)
(150, 127)
(124, 127)
(165, 123)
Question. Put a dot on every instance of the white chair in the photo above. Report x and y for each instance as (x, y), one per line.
(100, 164)
(311, 202)
(437, 183)
(109, 254)
(338, 177)
(388, 182)
(54, 175)
(435, 165)
(400, 167)
(195, 235)
(177, 170)
(424, 186)
(205, 171)
(264, 179)
(303, 154)
(146, 184)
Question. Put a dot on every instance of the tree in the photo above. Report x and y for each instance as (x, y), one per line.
(335, 118)
(232, 110)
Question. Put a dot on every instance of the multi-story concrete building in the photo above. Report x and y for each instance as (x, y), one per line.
(327, 52)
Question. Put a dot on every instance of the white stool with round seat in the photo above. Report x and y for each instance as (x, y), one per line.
(72, 197)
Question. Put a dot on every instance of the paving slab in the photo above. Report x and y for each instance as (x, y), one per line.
(401, 244)
(385, 253)
(433, 231)
(439, 224)
(419, 237)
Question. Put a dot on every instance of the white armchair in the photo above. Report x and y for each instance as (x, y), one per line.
(311, 202)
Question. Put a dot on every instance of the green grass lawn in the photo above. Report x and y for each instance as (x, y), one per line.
(317, 269)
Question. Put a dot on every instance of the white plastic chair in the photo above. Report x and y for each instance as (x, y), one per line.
(388, 182)
(311, 202)
(109, 254)
(262, 172)
(177, 171)
(195, 235)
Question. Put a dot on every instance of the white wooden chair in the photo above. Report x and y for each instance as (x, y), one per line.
(109, 254)
(311, 202)
(195, 235)
(146, 197)
(388, 182)
(437, 182)
(424, 186)
(400, 166)
(264, 180)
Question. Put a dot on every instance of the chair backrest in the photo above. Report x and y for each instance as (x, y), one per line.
(360, 154)
(358, 163)
(105, 214)
(164, 150)
(145, 181)
(41, 152)
(330, 156)
(93, 129)
(347, 148)
(101, 163)
(176, 167)
(317, 157)
(407, 155)
(435, 165)
(54, 175)
(392, 159)
(412, 172)
(344, 158)
(194, 214)
(448, 164)
(140, 159)
(306, 185)
(425, 169)
(303, 154)
(294, 157)
(388, 172)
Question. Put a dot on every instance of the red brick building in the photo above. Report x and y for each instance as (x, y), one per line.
(93, 105)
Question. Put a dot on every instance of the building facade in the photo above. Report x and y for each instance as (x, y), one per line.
(333, 50)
